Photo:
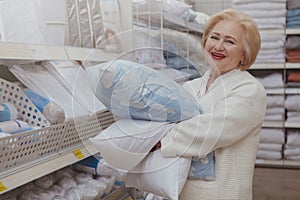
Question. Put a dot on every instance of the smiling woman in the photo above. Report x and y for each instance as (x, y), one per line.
(234, 104)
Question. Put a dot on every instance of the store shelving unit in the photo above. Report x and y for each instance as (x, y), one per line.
(71, 137)
(282, 91)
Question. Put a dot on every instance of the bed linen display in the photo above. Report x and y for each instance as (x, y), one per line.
(267, 15)
(271, 144)
(51, 110)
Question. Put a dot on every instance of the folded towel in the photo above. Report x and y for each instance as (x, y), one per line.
(272, 135)
(293, 137)
(273, 80)
(270, 146)
(274, 117)
(292, 151)
(294, 77)
(292, 157)
(292, 102)
(275, 110)
(275, 101)
(269, 155)
(260, 5)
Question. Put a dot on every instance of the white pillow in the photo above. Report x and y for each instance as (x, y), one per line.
(163, 176)
(127, 142)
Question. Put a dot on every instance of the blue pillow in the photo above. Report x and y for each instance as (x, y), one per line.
(133, 90)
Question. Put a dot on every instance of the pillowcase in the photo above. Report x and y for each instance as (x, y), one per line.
(162, 176)
(125, 143)
(132, 90)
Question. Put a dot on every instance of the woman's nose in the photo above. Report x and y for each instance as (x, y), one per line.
(219, 45)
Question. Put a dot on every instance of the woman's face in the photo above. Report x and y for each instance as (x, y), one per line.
(224, 45)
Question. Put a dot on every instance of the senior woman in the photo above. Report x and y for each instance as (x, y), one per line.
(234, 104)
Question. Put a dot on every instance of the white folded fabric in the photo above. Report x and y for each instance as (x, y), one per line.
(292, 102)
(275, 110)
(270, 13)
(297, 158)
(273, 80)
(263, 6)
(275, 100)
(269, 155)
(274, 117)
(293, 137)
(272, 135)
(270, 146)
(292, 151)
(272, 44)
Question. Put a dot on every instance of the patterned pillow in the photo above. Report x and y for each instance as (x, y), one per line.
(132, 90)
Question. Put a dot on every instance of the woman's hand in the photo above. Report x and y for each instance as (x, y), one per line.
(156, 146)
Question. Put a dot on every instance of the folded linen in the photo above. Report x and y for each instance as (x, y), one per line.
(272, 135)
(275, 100)
(275, 110)
(269, 155)
(274, 117)
(292, 102)
(270, 146)
(292, 151)
(273, 80)
(293, 137)
(297, 157)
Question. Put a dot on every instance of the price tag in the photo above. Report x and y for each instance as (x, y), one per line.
(2, 187)
(78, 154)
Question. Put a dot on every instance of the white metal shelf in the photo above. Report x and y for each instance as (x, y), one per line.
(274, 163)
(278, 163)
(292, 90)
(275, 90)
(292, 31)
(13, 52)
(30, 173)
(268, 66)
(273, 124)
(289, 124)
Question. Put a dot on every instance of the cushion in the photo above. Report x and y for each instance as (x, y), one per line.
(126, 142)
(162, 176)
(132, 90)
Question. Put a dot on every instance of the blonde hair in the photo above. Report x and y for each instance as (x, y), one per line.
(251, 42)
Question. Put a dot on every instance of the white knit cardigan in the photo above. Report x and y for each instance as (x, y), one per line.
(234, 109)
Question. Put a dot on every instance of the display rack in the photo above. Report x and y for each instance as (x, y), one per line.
(36, 153)
(284, 91)
(32, 154)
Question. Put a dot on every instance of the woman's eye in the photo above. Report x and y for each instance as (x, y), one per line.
(230, 42)
(213, 37)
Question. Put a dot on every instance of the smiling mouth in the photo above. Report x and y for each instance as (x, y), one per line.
(217, 56)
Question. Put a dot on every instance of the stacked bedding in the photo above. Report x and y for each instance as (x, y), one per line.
(292, 146)
(271, 143)
(268, 15)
